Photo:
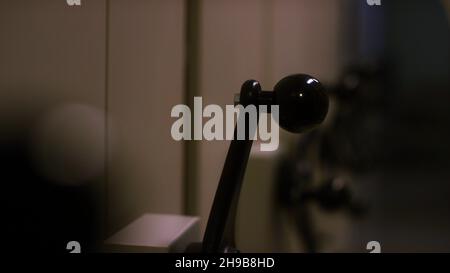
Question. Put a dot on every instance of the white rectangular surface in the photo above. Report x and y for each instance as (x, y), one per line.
(156, 233)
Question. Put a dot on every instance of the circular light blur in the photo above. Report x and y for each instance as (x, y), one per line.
(68, 144)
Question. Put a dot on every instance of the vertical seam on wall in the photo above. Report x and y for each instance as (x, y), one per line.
(191, 87)
(268, 25)
(106, 133)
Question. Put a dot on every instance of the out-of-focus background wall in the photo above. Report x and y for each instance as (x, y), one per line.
(86, 93)
(119, 59)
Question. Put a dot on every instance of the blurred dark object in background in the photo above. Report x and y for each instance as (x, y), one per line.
(41, 212)
(322, 167)
(391, 137)
(410, 190)
(355, 134)
(418, 50)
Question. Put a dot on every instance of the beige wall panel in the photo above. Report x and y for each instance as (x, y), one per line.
(50, 53)
(231, 52)
(306, 38)
(145, 81)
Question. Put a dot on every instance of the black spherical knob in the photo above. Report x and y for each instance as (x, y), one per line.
(303, 102)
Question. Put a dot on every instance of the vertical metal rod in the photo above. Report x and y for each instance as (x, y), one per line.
(220, 231)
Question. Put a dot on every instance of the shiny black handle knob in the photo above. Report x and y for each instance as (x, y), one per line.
(303, 102)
